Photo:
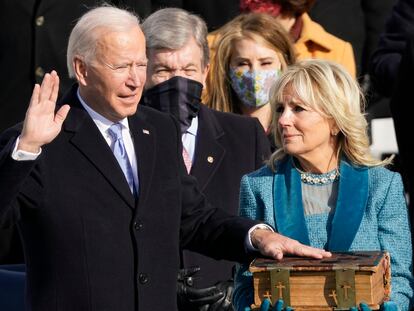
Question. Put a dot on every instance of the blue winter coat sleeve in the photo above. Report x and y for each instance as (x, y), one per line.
(394, 236)
(243, 280)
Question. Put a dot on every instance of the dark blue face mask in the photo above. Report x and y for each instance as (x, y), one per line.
(179, 96)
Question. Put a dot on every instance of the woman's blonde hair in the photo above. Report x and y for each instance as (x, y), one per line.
(329, 89)
(255, 26)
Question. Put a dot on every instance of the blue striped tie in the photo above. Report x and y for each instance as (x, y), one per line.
(118, 148)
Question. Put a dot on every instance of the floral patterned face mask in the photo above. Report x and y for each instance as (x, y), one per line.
(253, 88)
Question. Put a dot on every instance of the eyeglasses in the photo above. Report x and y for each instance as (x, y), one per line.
(126, 68)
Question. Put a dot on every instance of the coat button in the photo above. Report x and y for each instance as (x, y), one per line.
(40, 20)
(138, 225)
(39, 72)
(143, 278)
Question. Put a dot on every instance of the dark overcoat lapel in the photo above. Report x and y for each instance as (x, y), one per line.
(89, 141)
(209, 151)
(144, 136)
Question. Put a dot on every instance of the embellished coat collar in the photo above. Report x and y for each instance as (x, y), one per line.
(350, 205)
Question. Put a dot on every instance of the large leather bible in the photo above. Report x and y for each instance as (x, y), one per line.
(336, 283)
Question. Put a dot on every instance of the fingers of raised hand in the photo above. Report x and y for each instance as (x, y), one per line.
(49, 87)
(34, 100)
(41, 124)
(61, 114)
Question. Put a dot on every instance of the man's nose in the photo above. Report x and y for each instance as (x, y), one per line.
(177, 73)
(135, 76)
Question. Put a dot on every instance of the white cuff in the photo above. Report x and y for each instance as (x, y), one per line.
(248, 241)
(21, 155)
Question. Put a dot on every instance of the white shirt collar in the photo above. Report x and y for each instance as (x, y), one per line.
(101, 122)
(193, 127)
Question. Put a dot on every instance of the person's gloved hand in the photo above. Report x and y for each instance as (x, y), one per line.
(386, 306)
(224, 303)
(267, 306)
(190, 298)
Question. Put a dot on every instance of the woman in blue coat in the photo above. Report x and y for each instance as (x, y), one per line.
(323, 187)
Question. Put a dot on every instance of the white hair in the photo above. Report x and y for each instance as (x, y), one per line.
(88, 29)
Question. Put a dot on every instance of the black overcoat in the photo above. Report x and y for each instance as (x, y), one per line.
(227, 147)
(89, 245)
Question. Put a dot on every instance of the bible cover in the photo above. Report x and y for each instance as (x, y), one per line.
(337, 283)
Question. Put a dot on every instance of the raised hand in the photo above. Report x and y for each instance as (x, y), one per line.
(275, 245)
(41, 124)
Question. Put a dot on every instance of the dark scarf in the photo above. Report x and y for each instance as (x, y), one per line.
(179, 96)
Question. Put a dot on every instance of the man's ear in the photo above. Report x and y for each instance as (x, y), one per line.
(81, 70)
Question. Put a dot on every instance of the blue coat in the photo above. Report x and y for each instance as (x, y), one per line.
(370, 214)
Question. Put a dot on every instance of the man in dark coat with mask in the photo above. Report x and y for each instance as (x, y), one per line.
(219, 148)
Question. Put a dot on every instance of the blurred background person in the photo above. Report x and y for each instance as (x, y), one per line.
(214, 12)
(322, 187)
(310, 38)
(386, 59)
(392, 67)
(218, 148)
(33, 36)
(252, 52)
(368, 22)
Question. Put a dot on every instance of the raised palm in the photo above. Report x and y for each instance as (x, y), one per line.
(41, 124)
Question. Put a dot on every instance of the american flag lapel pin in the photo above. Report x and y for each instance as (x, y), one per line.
(145, 131)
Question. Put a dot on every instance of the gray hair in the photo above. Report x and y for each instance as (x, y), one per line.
(172, 28)
(88, 29)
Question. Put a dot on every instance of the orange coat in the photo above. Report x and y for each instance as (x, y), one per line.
(315, 42)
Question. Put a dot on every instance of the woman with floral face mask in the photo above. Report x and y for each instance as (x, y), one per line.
(250, 53)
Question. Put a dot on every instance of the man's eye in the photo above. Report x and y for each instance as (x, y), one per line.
(141, 65)
(121, 67)
(161, 70)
